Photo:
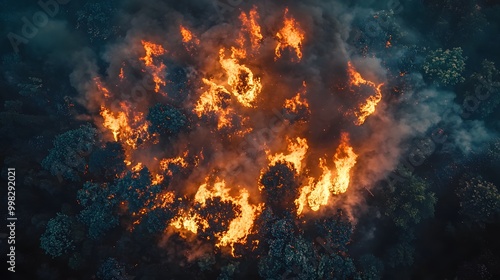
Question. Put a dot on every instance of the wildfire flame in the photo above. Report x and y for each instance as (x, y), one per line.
(245, 87)
(317, 194)
(251, 26)
(296, 152)
(298, 102)
(230, 90)
(215, 100)
(101, 88)
(290, 35)
(368, 108)
(187, 35)
(239, 228)
(344, 160)
(112, 122)
(158, 72)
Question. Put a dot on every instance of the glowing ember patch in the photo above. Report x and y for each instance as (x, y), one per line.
(180, 161)
(368, 108)
(187, 36)
(101, 88)
(290, 35)
(138, 167)
(121, 75)
(189, 221)
(244, 86)
(157, 179)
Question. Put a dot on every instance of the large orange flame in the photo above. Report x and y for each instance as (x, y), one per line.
(296, 152)
(344, 160)
(251, 26)
(317, 194)
(290, 35)
(113, 122)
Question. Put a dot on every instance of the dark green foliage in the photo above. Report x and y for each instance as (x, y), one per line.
(95, 19)
(177, 88)
(67, 158)
(98, 202)
(227, 271)
(13, 106)
(206, 262)
(57, 238)
(280, 187)
(218, 213)
(402, 252)
(76, 261)
(112, 270)
(484, 97)
(410, 202)
(107, 161)
(166, 120)
(371, 267)
(445, 67)
(157, 219)
(31, 88)
(335, 230)
(494, 152)
(291, 255)
(135, 188)
(479, 201)
(336, 267)
(287, 258)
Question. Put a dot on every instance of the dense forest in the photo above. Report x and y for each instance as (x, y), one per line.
(230, 139)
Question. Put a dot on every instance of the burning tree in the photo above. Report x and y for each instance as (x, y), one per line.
(280, 187)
